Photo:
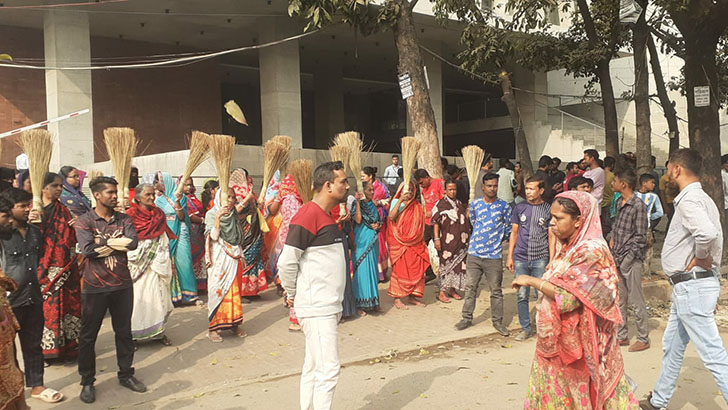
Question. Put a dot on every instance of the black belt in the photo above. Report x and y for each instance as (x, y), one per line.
(685, 276)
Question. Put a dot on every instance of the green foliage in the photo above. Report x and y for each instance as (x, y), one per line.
(361, 14)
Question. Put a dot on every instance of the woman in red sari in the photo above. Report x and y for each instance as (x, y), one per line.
(578, 363)
(197, 233)
(407, 249)
(58, 275)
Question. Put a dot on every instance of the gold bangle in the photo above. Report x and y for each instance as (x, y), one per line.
(543, 282)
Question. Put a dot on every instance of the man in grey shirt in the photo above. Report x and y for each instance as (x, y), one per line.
(691, 259)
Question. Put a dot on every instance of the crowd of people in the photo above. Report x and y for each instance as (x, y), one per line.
(582, 239)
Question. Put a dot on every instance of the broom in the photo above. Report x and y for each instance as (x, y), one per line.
(340, 153)
(352, 140)
(222, 147)
(38, 145)
(233, 109)
(286, 142)
(121, 144)
(199, 152)
(302, 173)
(275, 156)
(93, 174)
(410, 148)
(473, 156)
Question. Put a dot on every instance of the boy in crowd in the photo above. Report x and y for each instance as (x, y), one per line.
(628, 240)
(654, 214)
(528, 248)
(581, 184)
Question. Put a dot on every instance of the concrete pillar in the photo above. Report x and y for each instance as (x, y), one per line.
(67, 43)
(434, 76)
(329, 102)
(280, 84)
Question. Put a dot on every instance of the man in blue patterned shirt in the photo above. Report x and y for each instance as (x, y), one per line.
(491, 219)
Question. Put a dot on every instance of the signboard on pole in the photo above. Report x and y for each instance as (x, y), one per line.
(701, 95)
(405, 85)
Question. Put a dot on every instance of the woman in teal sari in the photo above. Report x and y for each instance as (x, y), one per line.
(366, 251)
(184, 284)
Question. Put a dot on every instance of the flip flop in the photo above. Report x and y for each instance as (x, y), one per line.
(165, 341)
(48, 395)
(214, 337)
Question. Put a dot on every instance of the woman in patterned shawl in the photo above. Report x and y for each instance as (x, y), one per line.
(197, 233)
(58, 275)
(174, 206)
(381, 200)
(150, 267)
(254, 226)
(72, 197)
(12, 383)
(273, 217)
(452, 235)
(228, 234)
(578, 363)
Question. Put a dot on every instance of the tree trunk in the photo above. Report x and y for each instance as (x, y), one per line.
(667, 105)
(521, 142)
(704, 122)
(609, 104)
(419, 106)
(642, 95)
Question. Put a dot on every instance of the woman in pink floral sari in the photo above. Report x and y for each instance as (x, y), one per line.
(381, 200)
(578, 363)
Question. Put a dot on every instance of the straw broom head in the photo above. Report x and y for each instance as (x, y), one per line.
(410, 148)
(286, 142)
(199, 152)
(339, 153)
(234, 110)
(121, 144)
(275, 157)
(302, 173)
(38, 145)
(222, 147)
(352, 140)
(473, 156)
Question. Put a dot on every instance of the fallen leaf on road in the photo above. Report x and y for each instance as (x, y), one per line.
(508, 346)
(422, 395)
(441, 347)
(284, 344)
(104, 368)
(687, 379)
(505, 363)
(511, 383)
(213, 362)
(424, 352)
(377, 361)
(463, 368)
(395, 392)
(198, 395)
(274, 354)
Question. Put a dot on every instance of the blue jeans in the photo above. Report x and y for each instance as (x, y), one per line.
(691, 319)
(531, 268)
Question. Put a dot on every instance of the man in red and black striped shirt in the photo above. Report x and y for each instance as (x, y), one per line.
(312, 269)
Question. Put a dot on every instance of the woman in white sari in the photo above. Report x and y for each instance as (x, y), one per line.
(151, 269)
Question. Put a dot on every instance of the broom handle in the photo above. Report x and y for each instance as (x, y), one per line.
(38, 205)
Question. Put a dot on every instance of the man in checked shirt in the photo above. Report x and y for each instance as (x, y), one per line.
(628, 240)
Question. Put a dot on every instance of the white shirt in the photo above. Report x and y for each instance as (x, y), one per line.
(506, 182)
(391, 174)
(695, 231)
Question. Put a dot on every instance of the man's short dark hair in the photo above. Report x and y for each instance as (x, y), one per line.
(609, 162)
(98, 184)
(724, 159)
(576, 181)
(556, 159)
(5, 204)
(421, 174)
(326, 172)
(592, 153)
(600, 163)
(395, 156)
(449, 181)
(541, 182)
(489, 176)
(627, 175)
(544, 161)
(571, 165)
(17, 195)
(689, 159)
(647, 177)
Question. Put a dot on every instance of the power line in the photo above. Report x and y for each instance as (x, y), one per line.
(52, 6)
(164, 63)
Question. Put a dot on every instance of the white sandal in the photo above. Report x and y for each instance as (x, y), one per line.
(48, 395)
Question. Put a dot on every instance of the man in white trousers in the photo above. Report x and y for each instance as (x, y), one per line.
(312, 269)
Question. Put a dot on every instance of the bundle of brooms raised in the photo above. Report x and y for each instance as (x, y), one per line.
(340, 153)
(286, 142)
(473, 156)
(302, 173)
(410, 148)
(38, 145)
(121, 145)
(199, 152)
(222, 147)
(275, 157)
(352, 141)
